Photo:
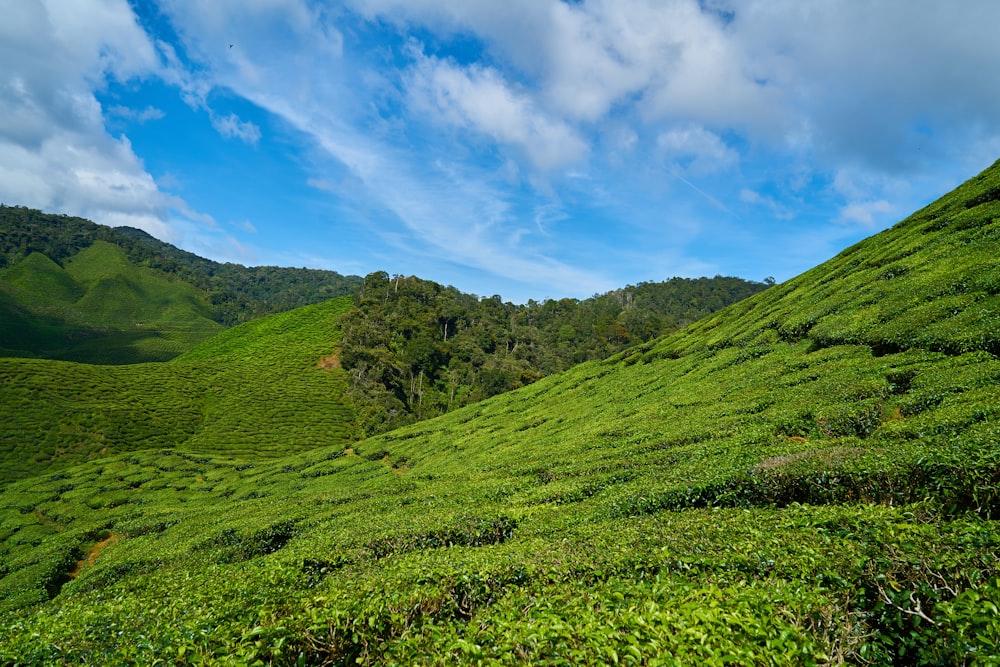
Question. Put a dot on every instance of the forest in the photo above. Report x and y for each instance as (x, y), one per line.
(415, 349)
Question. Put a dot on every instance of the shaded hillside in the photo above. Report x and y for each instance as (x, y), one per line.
(98, 307)
(809, 476)
(257, 390)
(236, 293)
(416, 349)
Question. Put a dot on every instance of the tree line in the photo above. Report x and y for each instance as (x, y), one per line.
(415, 349)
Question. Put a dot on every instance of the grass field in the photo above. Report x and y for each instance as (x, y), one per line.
(807, 477)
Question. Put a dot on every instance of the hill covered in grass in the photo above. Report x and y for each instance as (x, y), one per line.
(74, 290)
(77, 291)
(99, 308)
(809, 476)
(261, 389)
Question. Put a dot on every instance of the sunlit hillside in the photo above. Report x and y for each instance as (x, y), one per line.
(261, 389)
(74, 290)
(809, 476)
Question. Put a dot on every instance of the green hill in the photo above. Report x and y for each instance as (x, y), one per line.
(257, 390)
(152, 300)
(415, 349)
(809, 476)
(100, 308)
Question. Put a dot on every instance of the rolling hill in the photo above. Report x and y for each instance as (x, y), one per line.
(74, 290)
(257, 390)
(809, 476)
(100, 308)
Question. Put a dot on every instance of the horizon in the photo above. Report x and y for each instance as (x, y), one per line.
(534, 150)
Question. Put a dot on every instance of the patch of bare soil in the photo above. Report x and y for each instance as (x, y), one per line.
(329, 363)
(93, 554)
(830, 455)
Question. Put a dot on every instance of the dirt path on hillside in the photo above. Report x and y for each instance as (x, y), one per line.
(93, 554)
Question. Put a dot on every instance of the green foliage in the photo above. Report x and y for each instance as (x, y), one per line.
(415, 349)
(257, 390)
(226, 293)
(808, 476)
(99, 308)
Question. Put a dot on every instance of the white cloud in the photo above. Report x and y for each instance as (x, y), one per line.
(865, 213)
(231, 127)
(139, 116)
(246, 226)
(479, 98)
(697, 151)
(895, 84)
(880, 82)
(779, 211)
(55, 153)
(669, 60)
(847, 92)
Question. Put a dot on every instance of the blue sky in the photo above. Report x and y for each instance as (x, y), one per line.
(529, 148)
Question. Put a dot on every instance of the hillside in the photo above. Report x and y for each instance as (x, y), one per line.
(415, 349)
(73, 290)
(99, 308)
(233, 293)
(809, 476)
(255, 391)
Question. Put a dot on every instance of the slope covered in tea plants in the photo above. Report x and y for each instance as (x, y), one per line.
(99, 308)
(807, 477)
(257, 390)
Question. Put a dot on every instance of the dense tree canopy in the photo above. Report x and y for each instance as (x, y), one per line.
(416, 349)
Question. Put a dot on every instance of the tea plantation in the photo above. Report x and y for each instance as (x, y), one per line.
(809, 476)
(255, 390)
(99, 308)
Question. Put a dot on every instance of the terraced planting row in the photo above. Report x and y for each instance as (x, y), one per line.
(99, 308)
(270, 399)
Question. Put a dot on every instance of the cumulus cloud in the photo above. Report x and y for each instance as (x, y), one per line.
(55, 153)
(668, 60)
(855, 97)
(866, 81)
(879, 82)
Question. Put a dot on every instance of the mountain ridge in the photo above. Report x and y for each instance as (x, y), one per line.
(236, 293)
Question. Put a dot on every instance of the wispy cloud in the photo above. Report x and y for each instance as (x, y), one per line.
(780, 211)
(480, 99)
(866, 213)
(231, 127)
(697, 151)
(536, 143)
(138, 115)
